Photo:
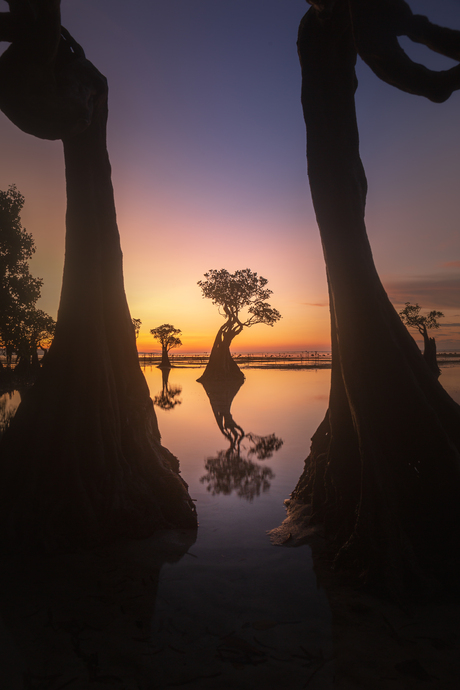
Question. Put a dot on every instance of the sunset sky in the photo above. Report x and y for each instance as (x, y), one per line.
(207, 144)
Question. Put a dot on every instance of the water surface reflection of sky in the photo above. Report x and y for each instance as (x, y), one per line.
(289, 404)
(222, 609)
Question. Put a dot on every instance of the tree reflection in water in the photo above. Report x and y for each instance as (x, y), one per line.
(7, 411)
(168, 398)
(233, 470)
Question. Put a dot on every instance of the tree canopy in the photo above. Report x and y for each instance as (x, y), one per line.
(412, 318)
(18, 289)
(233, 292)
(167, 335)
(23, 327)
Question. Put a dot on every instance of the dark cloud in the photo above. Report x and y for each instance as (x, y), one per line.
(430, 293)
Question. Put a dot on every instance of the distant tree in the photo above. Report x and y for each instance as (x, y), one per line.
(167, 335)
(412, 318)
(233, 293)
(137, 323)
(34, 331)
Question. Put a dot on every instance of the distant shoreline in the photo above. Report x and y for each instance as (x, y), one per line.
(282, 361)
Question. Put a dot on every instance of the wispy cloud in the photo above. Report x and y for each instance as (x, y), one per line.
(451, 264)
(429, 292)
(315, 304)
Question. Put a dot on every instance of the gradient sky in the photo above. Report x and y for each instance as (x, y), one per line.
(207, 144)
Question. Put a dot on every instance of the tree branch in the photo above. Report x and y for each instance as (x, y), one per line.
(376, 26)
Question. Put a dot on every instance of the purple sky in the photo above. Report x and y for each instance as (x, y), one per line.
(207, 144)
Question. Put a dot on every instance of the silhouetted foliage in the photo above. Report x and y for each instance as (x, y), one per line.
(23, 327)
(241, 298)
(233, 470)
(167, 335)
(412, 318)
(34, 330)
(263, 447)
(168, 398)
(229, 472)
(382, 475)
(137, 323)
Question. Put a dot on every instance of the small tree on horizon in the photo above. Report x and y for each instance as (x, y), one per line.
(137, 323)
(167, 335)
(412, 318)
(233, 293)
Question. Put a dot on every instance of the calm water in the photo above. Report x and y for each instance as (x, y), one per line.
(233, 611)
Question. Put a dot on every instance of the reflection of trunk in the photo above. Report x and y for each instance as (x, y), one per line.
(429, 353)
(221, 397)
(221, 366)
(83, 455)
(167, 399)
(383, 472)
(230, 471)
(165, 363)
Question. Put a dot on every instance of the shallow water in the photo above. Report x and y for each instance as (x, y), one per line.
(234, 585)
(224, 610)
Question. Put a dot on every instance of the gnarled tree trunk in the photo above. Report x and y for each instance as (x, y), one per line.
(82, 461)
(383, 472)
(165, 362)
(221, 365)
(429, 353)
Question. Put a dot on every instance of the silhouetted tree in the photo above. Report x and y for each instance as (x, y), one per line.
(22, 325)
(34, 330)
(383, 475)
(233, 470)
(82, 459)
(167, 335)
(19, 291)
(232, 293)
(412, 318)
(168, 398)
(137, 323)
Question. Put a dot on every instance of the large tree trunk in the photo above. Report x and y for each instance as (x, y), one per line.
(82, 461)
(383, 472)
(221, 366)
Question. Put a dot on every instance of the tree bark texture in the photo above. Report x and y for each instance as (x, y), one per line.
(82, 461)
(221, 365)
(383, 472)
